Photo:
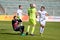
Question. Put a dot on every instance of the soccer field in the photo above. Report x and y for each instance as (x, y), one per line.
(52, 32)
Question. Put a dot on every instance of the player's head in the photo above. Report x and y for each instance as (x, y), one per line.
(31, 5)
(34, 5)
(42, 8)
(20, 7)
(15, 17)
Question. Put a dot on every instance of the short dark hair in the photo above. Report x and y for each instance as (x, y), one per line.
(31, 5)
(20, 6)
(14, 17)
(43, 7)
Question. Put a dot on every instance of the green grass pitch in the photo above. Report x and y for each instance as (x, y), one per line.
(52, 32)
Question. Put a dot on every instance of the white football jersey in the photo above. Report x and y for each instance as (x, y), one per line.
(19, 13)
(42, 14)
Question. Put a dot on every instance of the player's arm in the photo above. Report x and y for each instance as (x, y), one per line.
(38, 13)
(17, 13)
(19, 20)
(24, 13)
(46, 14)
(28, 13)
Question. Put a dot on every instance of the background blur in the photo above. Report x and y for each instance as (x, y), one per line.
(10, 6)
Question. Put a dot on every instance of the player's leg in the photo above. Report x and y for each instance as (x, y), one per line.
(28, 27)
(41, 28)
(28, 30)
(33, 28)
(21, 28)
(42, 25)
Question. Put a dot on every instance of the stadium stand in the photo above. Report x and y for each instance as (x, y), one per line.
(2, 9)
(52, 6)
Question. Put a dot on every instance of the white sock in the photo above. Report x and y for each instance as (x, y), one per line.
(41, 30)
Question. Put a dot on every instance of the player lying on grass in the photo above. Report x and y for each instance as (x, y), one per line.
(16, 26)
(42, 13)
(32, 18)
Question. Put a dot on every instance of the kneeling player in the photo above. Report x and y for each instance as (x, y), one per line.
(15, 24)
(42, 19)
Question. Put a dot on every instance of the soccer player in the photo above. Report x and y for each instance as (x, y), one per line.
(42, 13)
(15, 25)
(20, 12)
(32, 18)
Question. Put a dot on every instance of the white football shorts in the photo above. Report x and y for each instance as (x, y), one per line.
(42, 21)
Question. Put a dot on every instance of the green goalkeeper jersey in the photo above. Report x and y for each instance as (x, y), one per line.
(32, 13)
